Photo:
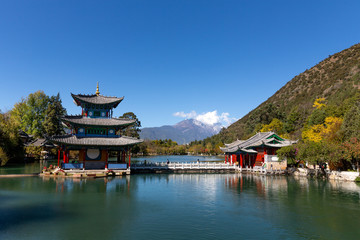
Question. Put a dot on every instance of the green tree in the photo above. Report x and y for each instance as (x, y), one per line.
(29, 114)
(320, 152)
(289, 153)
(292, 121)
(351, 124)
(52, 123)
(275, 125)
(351, 149)
(133, 130)
(11, 147)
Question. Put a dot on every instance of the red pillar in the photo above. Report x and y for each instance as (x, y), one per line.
(241, 160)
(234, 158)
(129, 158)
(59, 157)
(64, 156)
(106, 159)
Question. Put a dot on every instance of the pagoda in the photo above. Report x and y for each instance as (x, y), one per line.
(94, 134)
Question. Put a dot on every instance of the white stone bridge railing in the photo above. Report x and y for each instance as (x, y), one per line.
(183, 165)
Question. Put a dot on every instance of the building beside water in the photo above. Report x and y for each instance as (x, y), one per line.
(95, 133)
(257, 151)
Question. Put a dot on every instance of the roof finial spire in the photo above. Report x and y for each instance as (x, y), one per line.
(97, 89)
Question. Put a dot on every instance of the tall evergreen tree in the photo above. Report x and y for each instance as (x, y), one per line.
(52, 123)
(133, 130)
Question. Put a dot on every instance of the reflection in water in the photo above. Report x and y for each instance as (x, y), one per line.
(100, 185)
(309, 207)
(265, 185)
(178, 206)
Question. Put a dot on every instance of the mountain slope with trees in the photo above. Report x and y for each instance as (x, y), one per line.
(320, 107)
(337, 79)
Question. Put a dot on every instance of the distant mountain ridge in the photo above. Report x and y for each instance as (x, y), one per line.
(182, 132)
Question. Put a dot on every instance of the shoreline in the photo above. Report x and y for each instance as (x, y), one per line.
(344, 176)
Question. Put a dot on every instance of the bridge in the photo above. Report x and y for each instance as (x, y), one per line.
(159, 167)
(182, 166)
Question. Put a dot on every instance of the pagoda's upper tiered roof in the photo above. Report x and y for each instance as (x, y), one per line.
(79, 120)
(269, 139)
(73, 140)
(96, 99)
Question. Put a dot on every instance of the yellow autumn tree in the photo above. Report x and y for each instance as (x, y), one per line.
(275, 125)
(313, 133)
(333, 125)
(318, 132)
(319, 103)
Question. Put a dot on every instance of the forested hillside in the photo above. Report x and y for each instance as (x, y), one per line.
(336, 79)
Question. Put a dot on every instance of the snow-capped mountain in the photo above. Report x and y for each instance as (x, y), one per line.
(182, 132)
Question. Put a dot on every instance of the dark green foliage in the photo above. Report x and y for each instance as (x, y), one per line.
(351, 125)
(317, 117)
(11, 147)
(162, 147)
(289, 153)
(319, 152)
(52, 123)
(133, 130)
(292, 121)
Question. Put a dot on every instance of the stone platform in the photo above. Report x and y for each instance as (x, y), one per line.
(80, 173)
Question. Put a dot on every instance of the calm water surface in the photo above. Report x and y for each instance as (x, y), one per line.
(179, 206)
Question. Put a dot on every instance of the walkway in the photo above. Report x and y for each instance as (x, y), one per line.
(174, 166)
(200, 167)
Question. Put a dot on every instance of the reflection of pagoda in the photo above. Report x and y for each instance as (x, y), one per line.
(94, 133)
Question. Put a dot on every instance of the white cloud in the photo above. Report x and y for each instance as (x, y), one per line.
(209, 118)
(191, 114)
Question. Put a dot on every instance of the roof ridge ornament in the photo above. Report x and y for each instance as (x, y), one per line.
(97, 89)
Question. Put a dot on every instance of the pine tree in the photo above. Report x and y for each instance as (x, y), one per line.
(133, 130)
(52, 123)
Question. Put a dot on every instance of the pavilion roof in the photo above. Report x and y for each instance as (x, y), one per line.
(269, 139)
(96, 99)
(73, 140)
(104, 122)
(40, 142)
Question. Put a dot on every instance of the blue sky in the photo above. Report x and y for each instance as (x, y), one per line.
(171, 59)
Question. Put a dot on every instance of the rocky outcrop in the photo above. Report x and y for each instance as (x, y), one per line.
(332, 175)
(343, 176)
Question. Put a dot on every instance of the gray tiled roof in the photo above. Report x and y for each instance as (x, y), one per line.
(233, 144)
(95, 141)
(256, 140)
(105, 122)
(97, 99)
(40, 142)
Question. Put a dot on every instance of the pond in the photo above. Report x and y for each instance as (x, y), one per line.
(178, 206)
